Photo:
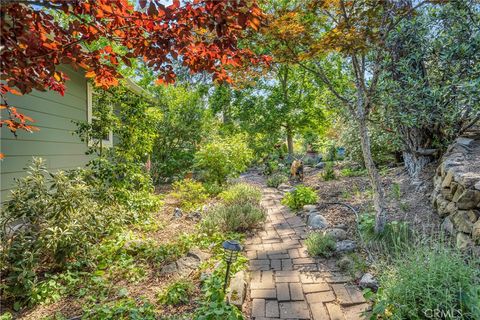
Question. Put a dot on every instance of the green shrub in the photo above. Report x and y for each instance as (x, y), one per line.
(213, 188)
(235, 217)
(429, 279)
(189, 193)
(299, 197)
(329, 173)
(241, 193)
(127, 308)
(320, 245)
(178, 292)
(61, 221)
(276, 179)
(349, 172)
(223, 158)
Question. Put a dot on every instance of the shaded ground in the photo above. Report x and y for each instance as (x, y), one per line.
(165, 230)
(405, 202)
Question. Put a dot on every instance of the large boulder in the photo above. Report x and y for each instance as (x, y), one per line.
(461, 221)
(448, 227)
(345, 246)
(368, 281)
(476, 232)
(464, 242)
(309, 208)
(317, 222)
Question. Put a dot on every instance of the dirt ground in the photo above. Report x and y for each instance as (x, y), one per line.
(405, 202)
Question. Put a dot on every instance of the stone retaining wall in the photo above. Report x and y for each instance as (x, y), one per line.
(456, 195)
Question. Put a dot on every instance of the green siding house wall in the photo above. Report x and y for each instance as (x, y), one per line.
(55, 141)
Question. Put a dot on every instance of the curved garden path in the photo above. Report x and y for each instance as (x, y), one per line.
(285, 283)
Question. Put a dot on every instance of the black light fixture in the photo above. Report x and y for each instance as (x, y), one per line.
(232, 248)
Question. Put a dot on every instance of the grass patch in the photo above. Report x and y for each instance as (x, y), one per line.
(397, 234)
(320, 245)
(349, 172)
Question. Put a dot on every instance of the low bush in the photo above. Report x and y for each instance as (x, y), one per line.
(213, 188)
(329, 173)
(190, 194)
(235, 217)
(241, 193)
(396, 235)
(126, 308)
(57, 219)
(425, 280)
(320, 245)
(223, 158)
(299, 197)
(212, 303)
(53, 219)
(178, 292)
(349, 172)
(276, 179)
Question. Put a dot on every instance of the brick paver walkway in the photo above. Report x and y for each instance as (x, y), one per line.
(285, 283)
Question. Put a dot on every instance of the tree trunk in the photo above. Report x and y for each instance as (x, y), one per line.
(378, 193)
(415, 164)
(290, 141)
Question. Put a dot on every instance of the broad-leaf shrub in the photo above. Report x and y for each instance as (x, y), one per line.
(212, 304)
(190, 194)
(241, 193)
(127, 308)
(299, 197)
(57, 217)
(223, 158)
(276, 179)
(424, 280)
(176, 293)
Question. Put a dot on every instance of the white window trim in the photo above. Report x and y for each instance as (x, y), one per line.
(91, 142)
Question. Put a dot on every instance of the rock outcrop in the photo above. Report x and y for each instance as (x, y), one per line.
(456, 195)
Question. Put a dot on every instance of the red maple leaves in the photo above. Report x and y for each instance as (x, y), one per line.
(200, 35)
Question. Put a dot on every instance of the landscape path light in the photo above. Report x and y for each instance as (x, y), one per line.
(232, 248)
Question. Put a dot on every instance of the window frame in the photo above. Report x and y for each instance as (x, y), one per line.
(108, 143)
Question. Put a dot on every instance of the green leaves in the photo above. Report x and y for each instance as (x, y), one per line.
(223, 158)
(299, 197)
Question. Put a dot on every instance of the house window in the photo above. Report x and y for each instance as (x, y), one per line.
(106, 135)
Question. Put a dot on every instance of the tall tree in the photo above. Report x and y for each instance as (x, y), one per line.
(312, 34)
(429, 86)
